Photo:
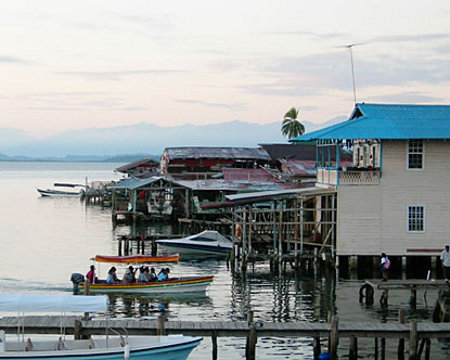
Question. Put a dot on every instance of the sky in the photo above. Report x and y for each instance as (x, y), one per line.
(68, 65)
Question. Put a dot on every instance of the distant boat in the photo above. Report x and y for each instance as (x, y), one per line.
(112, 347)
(207, 242)
(64, 193)
(136, 259)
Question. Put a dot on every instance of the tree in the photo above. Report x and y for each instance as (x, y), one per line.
(291, 126)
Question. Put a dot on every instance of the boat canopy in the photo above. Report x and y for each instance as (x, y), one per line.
(53, 303)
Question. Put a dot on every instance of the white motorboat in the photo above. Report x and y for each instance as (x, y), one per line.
(79, 190)
(208, 242)
(107, 347)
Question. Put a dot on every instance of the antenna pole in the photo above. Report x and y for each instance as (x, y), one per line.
(353, 72)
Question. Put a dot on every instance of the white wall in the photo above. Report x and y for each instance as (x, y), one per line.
(373, 218)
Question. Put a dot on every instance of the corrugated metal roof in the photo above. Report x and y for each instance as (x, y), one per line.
(133, 183)
(249, 174)
(388, 122)
(237, 185)
(272, 195)
(135, 164)
(193, 152)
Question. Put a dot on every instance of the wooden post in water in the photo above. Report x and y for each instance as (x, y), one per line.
(316, 347)
(87, 288)
(383, 348)
(119, 252)
(214, 345)
(413, 340)
(77, 330)
(250, 348)
(334, 337)
(401, 342)
(161, 328)
(353, 352)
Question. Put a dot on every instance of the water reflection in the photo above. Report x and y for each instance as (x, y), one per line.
(131, 305)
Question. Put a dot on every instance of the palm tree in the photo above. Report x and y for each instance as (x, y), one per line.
(291, 126)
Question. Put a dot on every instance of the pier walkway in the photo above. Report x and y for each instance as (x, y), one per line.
(334, 330)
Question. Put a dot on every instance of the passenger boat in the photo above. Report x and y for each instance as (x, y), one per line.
(107, 347)
(181, 285)
(63, 193)
(136, 259)
(207, 242)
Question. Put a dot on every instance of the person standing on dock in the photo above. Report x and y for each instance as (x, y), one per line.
(385, 265)
(445, 261)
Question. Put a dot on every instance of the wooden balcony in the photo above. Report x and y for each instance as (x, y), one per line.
(348, 177)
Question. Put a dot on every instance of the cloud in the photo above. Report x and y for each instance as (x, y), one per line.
(118, 75)
(408, 97)
(235, 106)
(76, 101)
(12, 60)
(405, 38)
(332, 71)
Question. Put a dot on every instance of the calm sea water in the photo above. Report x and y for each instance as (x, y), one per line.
(44, 240)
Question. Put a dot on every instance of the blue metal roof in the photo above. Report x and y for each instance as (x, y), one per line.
(383, 121)
(133, 183)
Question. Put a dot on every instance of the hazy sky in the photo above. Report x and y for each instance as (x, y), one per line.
(76, 64)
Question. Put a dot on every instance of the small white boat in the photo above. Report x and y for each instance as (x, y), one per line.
(80, 192)
(175, 347)
(208, 242)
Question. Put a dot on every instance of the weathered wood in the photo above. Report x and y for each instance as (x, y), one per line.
(413, 340)
(353, 352)
(214, 345)
(401, 342)
(161, 327)
(383, 348)
(334, 337)
(316, 347)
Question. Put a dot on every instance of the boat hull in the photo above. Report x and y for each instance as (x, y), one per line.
(187, 249)
(183, 285)
(179, 350)
(57, 193)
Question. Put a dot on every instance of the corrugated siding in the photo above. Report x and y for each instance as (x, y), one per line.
(399, 188)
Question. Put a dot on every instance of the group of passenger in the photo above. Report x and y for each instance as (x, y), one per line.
(146, 275)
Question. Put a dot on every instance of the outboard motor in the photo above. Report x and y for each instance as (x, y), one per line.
(76, 279)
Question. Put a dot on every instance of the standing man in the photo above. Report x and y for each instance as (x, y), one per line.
(445, 261)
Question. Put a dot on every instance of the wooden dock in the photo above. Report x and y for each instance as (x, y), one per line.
(333, 330)
(366, 290)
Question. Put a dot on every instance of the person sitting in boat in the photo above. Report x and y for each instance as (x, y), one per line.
(91, 275)
(112, 276)
(162, 276)
(142, 277)
(153, 276)
(167, 273)
(129, 276)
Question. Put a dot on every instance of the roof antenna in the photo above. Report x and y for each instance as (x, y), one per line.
(350, 50)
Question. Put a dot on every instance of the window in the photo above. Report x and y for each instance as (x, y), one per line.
(416, 218)
(415, 154)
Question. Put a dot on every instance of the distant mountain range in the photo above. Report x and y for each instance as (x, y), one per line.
(125, 143)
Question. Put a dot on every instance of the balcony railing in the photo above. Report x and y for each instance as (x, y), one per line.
(348, 177)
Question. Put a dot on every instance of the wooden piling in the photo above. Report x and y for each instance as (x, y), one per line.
(161, 328)
(316, 347)
(413, 340)
(401, 342)
(77, 330)
(334, 336)
(214, 345)
(353, 352)
(250, 348)
(383, 348)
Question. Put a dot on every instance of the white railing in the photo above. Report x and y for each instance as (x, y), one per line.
(330, 176)
(359, 177)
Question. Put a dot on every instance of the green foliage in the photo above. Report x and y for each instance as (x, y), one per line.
(291, 126)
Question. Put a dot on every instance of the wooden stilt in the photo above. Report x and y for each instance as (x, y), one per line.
(334, 337)
(353, 353)
(161, 329)
(316, 347)
(214, 345)
(413, 340)
(401, 342)
(383, 348)
(375, 352)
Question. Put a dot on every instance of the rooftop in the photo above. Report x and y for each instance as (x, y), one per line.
(388, 122)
